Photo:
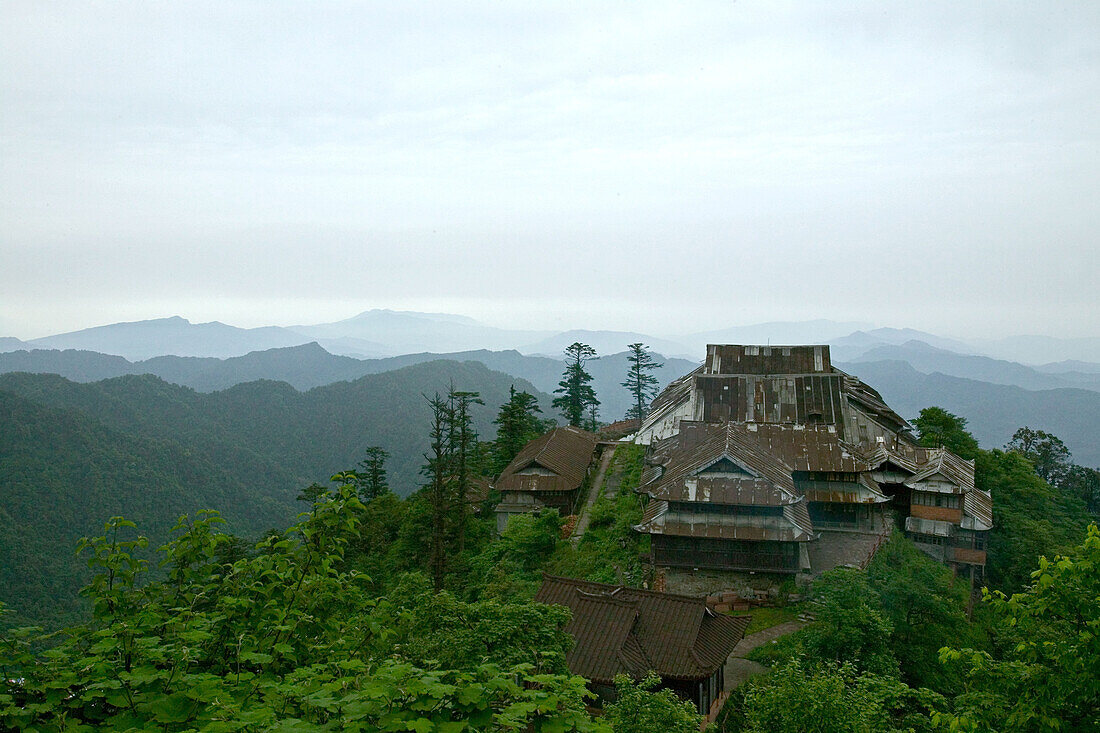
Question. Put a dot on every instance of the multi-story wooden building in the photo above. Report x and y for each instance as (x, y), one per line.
(771, 460)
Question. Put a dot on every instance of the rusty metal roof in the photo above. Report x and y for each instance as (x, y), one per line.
(741, 359)
(631, 631)
(566, 452)
(945, 463)
(699, 446)
(809, 398)
(793, 525)
(810, 448)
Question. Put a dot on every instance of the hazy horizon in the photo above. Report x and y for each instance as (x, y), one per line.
(636, 167)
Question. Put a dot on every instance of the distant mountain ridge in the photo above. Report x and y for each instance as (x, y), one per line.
(994, 411)
(308, 366)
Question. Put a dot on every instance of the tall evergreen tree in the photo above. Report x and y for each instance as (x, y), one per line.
(437, 470)
(639, 381)
(371, 476)
(575, 387)
(464, 453)
(516, 426)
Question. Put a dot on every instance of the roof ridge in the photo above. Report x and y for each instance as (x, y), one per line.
(660, 594)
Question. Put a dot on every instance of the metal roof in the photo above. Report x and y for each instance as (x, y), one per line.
(628, 630)
(793, 525)
(741, 359)
(566, 452)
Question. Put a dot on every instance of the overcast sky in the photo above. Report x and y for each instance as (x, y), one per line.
(652, 167)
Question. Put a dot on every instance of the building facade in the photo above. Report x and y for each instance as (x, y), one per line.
(767, 459)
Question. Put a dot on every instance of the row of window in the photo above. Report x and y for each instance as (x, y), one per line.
(927, 498)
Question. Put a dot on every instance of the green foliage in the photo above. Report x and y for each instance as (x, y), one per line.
(517, 425)
(610, 551)
(924, 604)
(280, 640)
(797, 697)
(641, 384)
(1031, 518)
(851, 625)
(938, 428)
(1047, 677)
(644, 708)
(511, 567)
(575, 387)
(370, 479)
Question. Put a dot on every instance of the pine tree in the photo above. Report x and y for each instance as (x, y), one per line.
(517, 425)
(464, 453)
(641, 384)
(438, 470)
(371, 476)
(575, 388)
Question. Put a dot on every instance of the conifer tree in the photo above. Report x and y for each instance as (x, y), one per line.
(437, 470)
(575, 388)
(640, 382)
(516, 426)
(371, 476)
(464, 455)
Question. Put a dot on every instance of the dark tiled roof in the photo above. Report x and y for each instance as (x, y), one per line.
(631, 631)
(564, 451)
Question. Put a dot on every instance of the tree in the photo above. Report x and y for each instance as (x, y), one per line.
(797, 697)
(371, 476)
(517, 425)
(1047, 452)
(1046, 680)
(575, 388)
(938, 428)
(437, 470)
(642, 385)
(851, 625)
(278, 640)
(464, 453)
(645, 708)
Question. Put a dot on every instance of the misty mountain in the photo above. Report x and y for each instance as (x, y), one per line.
(819, 331)
(10, 343)
(604, 342)
(403, 332)
(928, 359)
(1069, 366)
(994, 411)
(308, 366)
(310, 434)
(858, 343)
(144, 339)
(1040, 349)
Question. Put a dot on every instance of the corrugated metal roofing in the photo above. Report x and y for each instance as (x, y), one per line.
(935, 527)
(793, 525)
(677, 637)
(567, 452)
(741, 359)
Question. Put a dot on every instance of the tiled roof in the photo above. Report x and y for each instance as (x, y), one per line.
(631, 631)
(566, 452)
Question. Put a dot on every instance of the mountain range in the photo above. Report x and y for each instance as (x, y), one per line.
(381, 333)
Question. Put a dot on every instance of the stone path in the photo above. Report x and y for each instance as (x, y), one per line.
(593, 494)
(738, 669)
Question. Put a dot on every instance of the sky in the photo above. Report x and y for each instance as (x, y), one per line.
(655, 167)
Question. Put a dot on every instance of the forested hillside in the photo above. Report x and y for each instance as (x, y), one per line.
(72, 455)
(309, 365)
(63, 474)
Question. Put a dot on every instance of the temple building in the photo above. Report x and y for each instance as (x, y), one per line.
(620, 630)
(547, 473)
(769, 460)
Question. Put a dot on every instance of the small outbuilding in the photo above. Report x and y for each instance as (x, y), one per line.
(546, 474)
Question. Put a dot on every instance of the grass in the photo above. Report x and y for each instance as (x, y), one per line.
(767, 617)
